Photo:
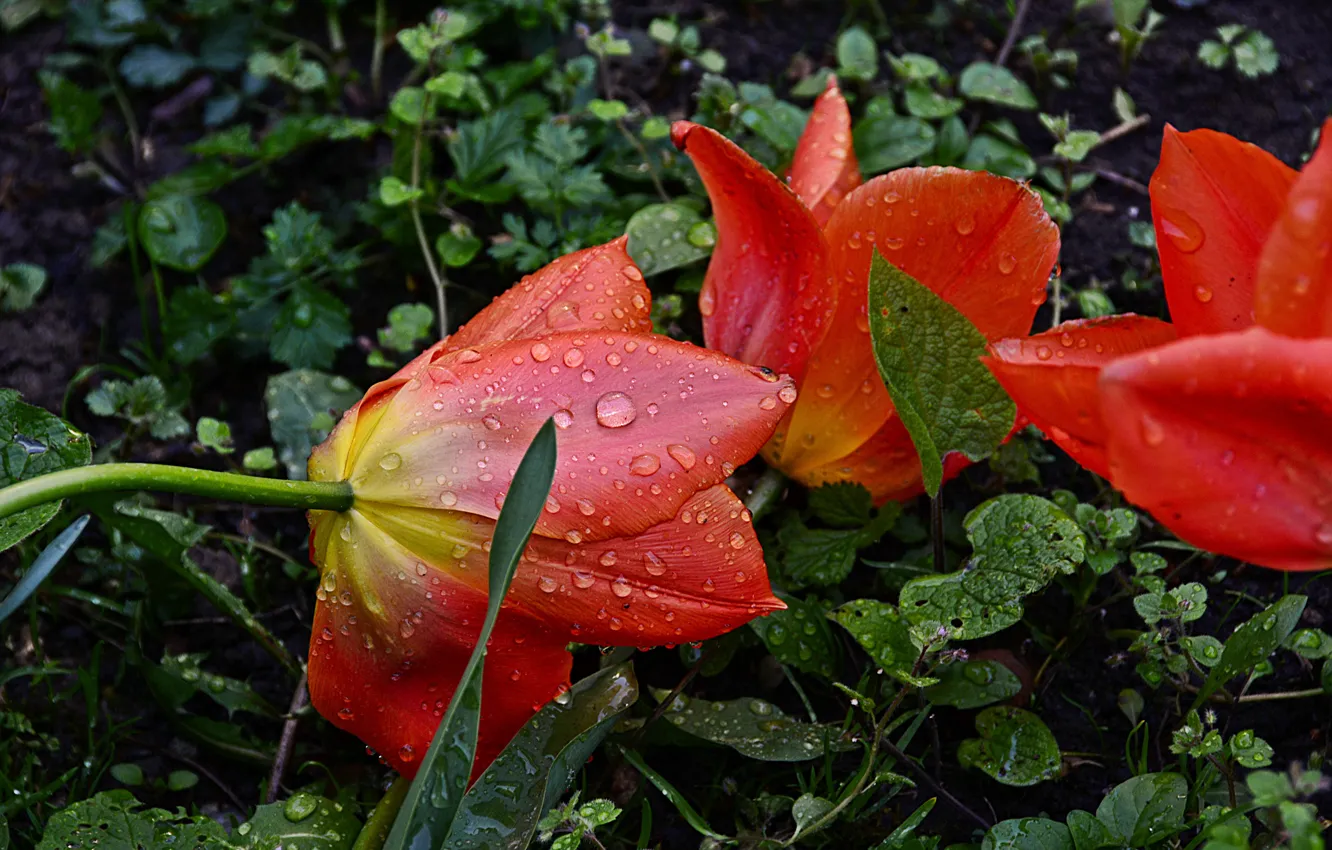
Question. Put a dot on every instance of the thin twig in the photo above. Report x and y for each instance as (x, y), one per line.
(1120, 180)
(199, 769)
(377, 52)
(1122, 129)
(288, 740)
(925, 777)
(937, 532)
(441, 302)
(670, 698)
(1014, 29)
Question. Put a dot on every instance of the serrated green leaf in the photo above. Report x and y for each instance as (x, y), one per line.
(1253, 642)
(660, 238)
(845, 504)
(34, 442)
(115, 820)
(973, 684)
(75, 112)
(1015, 747)
(799, 636)
(817, 556)
(181, 232)
(929, 357)
(1028, 834)
(303, 406)
(885, 634)
(995, 84)
(1021, 542)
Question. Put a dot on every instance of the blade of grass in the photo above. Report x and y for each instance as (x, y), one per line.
(434, 797)
(42, 567)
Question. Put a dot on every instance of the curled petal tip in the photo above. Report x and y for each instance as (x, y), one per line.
(680, 131)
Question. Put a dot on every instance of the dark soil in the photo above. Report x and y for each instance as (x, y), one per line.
(47, 217)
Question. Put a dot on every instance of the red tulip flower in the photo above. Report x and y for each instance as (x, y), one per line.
(787, 286)
(640, 542)
(1225, 434)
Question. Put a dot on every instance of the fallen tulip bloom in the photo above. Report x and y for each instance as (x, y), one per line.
(640, 543)
(1221, 435)
(787, 285)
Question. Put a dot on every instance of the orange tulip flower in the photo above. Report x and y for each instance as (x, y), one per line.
(1223, 435)
(787, 285)
(640, 543)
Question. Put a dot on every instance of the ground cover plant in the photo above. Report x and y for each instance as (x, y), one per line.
(566, 423)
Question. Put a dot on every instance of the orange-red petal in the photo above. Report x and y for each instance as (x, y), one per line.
(1214, 201)
(767, 296)
(1225, 440)
(644, 423)
(597, 288)
(824, 169)
(1293, 291)
(981, 242)
(1053, 376)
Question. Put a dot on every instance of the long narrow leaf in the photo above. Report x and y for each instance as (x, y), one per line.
(432, 802)
(42, 567)
(688, 812)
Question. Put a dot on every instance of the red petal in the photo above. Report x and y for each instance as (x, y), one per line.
(824, 169)
(645, 423)
(596, 288)
(1214, 200)
(1225, 440)
(1052, 376)
(1293, 292)
(392, 635)
(982, 242)
(767, 297)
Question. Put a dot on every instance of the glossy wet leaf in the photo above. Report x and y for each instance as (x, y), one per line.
(973, 684)
(904, 831)
(885, 634)
(845, 504)
(1028, 834)
(181, 232)
(928, 355)
(302, 821)
(673, 795)
(232, 694)
(303, 406)
(502, 809)
(808, 809)
(995, 84)
(1145, 809)
(799, 636)
(34, 442)
(752, 727)
(1015, 747)
(818, 557)
(41, 567)
(885, 142)
(1253, 642)
(115, 820)
(1021, 543)
(436, 794)
(1088, 833)
(667, 236)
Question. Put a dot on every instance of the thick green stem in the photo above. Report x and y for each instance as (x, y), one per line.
(112, 477)
(765, 492)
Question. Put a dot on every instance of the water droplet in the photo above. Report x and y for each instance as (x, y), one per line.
(1323, 534)
(760, 707)
(737, 540)
(787, 394)
(563, 418)
(1043, 352)
(707, 302)
(654, 565)
(615, 410)
(608, 558)
(406, 753)
(1182, 231)
(1152, 432)
(390, 461)
(1202, 293)
(893, 243)
(583, 580)
(299, 807)
(1007, 263)
(682, 455)
(448, 498)
(346, 714)
(767, 402)
(491, 422)
(540, 352)
(573, 358)
(546, 584)
(469, 355)
(406, 627)
(585, 507)
(621, 587)
(965, 225)
(645, 465)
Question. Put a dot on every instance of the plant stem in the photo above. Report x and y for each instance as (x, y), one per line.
(112, 477)
(765, 491)
(377, 826)
(441, 302)
(937, 533)
(377, 55)
(288, 740)
(1311, 692)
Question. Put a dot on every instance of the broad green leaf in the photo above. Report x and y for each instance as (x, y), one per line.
(153, 66)
(995, 84)
(857, 55)
(294, 131)
(667, 236)
(393, 192)
(1021, 542)
(75, 112)
(929, 358)
(235, 141)
(41, 567)
(436, 794)
(924, 102)
(20, 284)
(1015, 747)
(310, 329)
(34, 442)
(181, 232)
(303, 406)
(817, 556)
(303, 821)
(752, 727)
(972, 684)
(885, 634)
(845, 504)
(1028, 834)
(1310, 643)
(1077, 144)
(1253, 642)
(799, 636)
(1145, 809)
(1088, 833)
(1250, 751)
(501, 811)
(411, 105)
(115, 820)
(457, 246)
(885, 142)
(232, 694)
(1001, 156)
(807, 810)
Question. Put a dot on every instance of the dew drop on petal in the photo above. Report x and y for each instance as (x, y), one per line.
(585, 507)
(608, 558)
(1007, 263)
(615, 410)
(1202, 293)
(1182, 231)
(546, 584)
(646, 464)
(390, 461)
(787, 394)
(1152, 432)
(654, 565)
(1043, 352)
(682, 455)
(406, 753)
(767, 402)
(621, 587)
(573, 358)
(563, 418)
(491, 422)
(583, 580)
(540, 352)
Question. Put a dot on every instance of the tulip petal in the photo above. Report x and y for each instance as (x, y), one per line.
(1214, 200)
(983, 243)
(645, 422)
(392, 635)
(1293, 291)
(1052, 377)
(693, 577)
(1225, 440)
(767, 297)
(597, 288)
(824, 168)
